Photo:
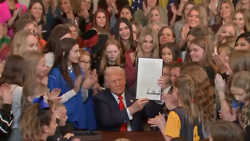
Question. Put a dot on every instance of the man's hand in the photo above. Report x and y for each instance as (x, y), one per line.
(138, 105)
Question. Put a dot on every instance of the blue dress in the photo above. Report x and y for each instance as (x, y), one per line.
(76, 110)
(89, 107)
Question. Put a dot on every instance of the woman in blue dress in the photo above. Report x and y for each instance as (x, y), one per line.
(67, 76)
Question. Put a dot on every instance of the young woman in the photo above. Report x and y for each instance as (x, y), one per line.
(38, 122)
(25, 24)
(112, 55)
(166, 35)
(243, 42)
(69, 15)
(36, 69)
(148, 47)
(243, 4)
(156, 14)
(179, 24)
(127, 13)
(124, 34)
(197, 17)
(141, 16)
(36, 8)
(242, 19)
(86, 11)
(59, 32)
(101, 22)
(14, 73)
(228, 29)
(51, 11)
(67, 76)
(201, 50)
(212, 9)
(113, 9)
(137, 29)
(10, 10)
(225, 14)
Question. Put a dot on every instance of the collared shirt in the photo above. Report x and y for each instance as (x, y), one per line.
(125, 105)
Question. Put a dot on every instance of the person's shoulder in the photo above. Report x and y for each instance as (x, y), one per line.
(102, 94)
(54, 71)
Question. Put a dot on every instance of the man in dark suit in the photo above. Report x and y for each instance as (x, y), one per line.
(116, 109)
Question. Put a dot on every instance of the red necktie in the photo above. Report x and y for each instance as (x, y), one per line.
(121, 106)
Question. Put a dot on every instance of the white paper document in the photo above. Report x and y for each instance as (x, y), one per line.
(149, 71)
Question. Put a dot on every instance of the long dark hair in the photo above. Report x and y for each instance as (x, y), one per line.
(57, 33)
(119, 3)
(117, 35)
(14, 71)
(61, 60)
(106, 28)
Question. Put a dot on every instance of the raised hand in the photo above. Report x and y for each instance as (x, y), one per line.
(227, 115)
(185, 31)
(78, 83)
(158, 121)
(220, 84)
(68, 135)
(173, 9)
(90, 79)
(161, 82)
(5, 94)
(54, 95)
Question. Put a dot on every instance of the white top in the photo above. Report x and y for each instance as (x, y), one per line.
(50, 58)
(16, 92)
(125, 105)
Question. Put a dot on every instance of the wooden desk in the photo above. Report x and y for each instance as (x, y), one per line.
(133, 136)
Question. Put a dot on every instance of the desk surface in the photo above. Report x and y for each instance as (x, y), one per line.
(133, 136)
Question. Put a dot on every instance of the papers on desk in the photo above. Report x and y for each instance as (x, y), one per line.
(149, 71)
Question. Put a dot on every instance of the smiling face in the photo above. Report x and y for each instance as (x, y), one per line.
(125, 13)
(124, 31)
(166, 55)
(37, 10)
(85, 4)
(193, 19)
(147, 45)
(225, 10)
(66, 6)
(73, 32)
(239, 20)
(196, 52)
(242, 44)
(41, 68)
(74, 54)
(228, 31)
(100, 19)
(112, 53)
(166, 36)
(155, 16)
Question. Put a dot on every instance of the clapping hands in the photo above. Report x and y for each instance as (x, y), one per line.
(159, 121)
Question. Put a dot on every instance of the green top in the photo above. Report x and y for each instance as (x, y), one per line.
(4, 40)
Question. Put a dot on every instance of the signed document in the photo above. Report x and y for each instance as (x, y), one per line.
(149, 71)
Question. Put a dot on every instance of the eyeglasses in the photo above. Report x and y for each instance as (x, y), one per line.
(88, 2)
(84, 62)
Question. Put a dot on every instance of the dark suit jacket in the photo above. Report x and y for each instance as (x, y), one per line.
(108, 114)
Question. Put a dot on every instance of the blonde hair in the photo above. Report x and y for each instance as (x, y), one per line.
(239, 5)
(231, 7)
(104, 59)
(203, 17)
(163, 18)
(239, 60)
(19, 43)
(196, 94)
(84, 52)
(241, 80)
(32, 59)
(246, 17)
(226, 48)
(151, 32)
(206, 44)
(32, 89)
(217, 38)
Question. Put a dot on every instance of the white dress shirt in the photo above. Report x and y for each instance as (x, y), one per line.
(125, 105)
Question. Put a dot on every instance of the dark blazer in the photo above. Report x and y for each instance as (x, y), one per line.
(109, 117)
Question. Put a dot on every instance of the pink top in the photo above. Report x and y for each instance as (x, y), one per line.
(6, 15)
(130, 70)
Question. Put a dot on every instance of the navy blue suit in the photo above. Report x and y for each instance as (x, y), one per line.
(108, 114)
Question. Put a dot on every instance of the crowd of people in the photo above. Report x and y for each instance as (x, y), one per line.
(71, 65)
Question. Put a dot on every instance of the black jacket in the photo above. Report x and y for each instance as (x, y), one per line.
(6, 119)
